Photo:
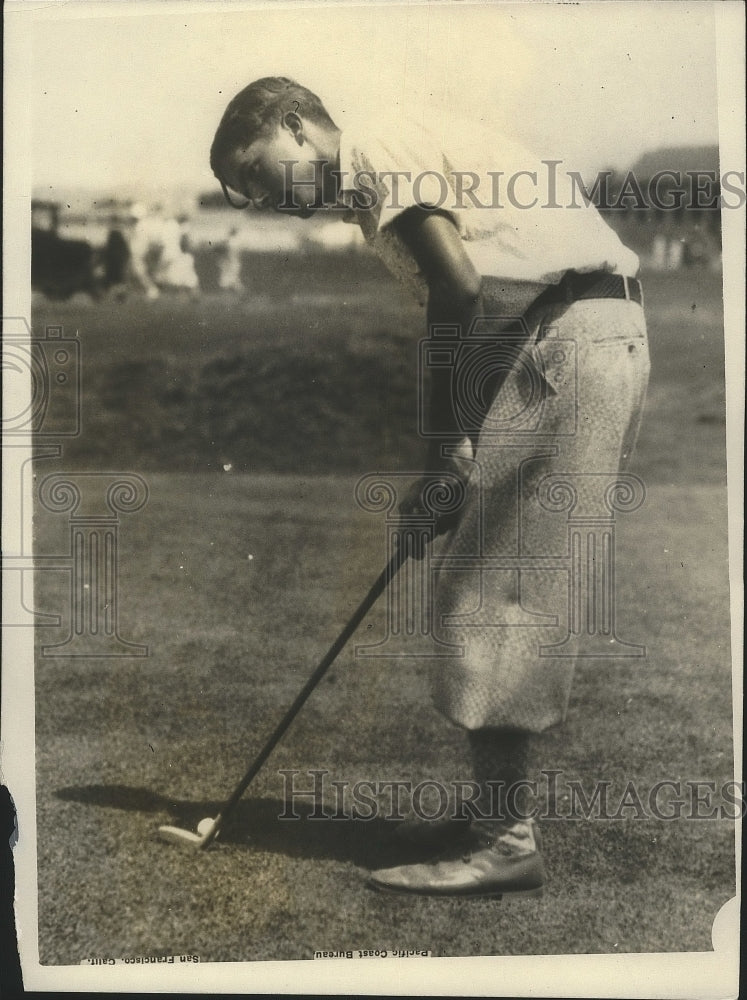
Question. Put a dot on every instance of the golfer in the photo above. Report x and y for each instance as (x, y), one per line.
(497, 244)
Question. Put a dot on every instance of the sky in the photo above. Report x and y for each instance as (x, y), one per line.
(128, 95)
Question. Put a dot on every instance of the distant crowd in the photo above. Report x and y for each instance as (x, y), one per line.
(149, 251)
(161, 255)
(151, 254)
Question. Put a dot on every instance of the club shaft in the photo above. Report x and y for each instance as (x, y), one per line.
(335, 649)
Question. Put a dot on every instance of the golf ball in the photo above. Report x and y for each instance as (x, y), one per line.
(204, 825)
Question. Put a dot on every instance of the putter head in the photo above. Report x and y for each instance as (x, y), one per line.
(185, 838)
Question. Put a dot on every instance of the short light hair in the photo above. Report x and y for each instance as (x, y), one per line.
(257, 108)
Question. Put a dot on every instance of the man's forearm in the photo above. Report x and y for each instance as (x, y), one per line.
(444, 407)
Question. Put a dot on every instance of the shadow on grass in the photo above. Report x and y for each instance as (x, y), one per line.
(256, 823)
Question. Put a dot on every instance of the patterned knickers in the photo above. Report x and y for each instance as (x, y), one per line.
(549, 449)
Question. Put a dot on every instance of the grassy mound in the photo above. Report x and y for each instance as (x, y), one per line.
(315, 370)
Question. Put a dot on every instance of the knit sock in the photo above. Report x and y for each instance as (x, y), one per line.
(499, 761)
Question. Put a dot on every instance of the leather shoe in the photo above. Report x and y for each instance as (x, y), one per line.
(503, 859)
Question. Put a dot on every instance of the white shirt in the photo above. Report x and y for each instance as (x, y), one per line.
(483, 180)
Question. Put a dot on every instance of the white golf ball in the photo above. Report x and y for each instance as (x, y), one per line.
(204, 825)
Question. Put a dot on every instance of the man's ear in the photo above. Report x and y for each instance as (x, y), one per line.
(293, 123)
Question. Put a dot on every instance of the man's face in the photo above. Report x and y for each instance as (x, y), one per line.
(259, 175)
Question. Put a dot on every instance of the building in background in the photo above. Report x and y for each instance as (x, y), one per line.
(667, 207)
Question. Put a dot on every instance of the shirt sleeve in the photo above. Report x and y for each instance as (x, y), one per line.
(509, 232)
(389, 173)
(400, 169)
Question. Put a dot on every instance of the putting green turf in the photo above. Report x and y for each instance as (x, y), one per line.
(126, 745)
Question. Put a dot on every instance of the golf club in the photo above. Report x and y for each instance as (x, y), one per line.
(208, 828)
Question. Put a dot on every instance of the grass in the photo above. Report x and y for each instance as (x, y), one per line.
(267, 381)
(124, 745)
(302, 377)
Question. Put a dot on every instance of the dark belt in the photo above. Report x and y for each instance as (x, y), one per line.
(598, 285)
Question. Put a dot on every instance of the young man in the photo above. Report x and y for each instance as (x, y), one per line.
(540, 301)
